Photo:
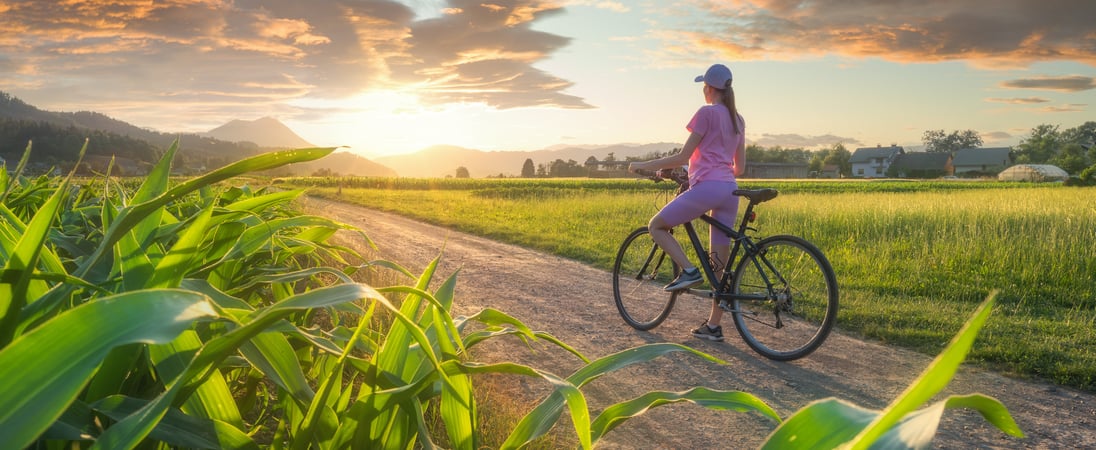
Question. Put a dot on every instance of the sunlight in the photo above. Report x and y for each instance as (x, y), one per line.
(392, 122)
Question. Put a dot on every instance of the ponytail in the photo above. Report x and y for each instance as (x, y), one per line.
(728, 101)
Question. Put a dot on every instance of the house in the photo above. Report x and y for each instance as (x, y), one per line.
(830, 171)
(872, 162)
(920, 165)
(982, 161)
(776, 170)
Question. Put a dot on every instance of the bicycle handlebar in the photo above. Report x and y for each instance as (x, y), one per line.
(676, 175)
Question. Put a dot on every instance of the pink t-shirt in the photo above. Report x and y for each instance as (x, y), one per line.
(713, 159)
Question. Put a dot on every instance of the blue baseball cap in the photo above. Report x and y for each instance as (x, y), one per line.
(717, 76)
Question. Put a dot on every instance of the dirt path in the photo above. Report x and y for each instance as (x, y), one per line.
(573, 302)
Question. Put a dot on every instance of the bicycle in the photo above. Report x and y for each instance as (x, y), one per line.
(782, 293)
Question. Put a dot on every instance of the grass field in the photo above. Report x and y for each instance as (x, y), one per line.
(913, 259)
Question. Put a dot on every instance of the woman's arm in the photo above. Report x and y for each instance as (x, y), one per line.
(675, 160)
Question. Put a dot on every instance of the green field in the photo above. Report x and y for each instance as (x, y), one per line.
(913, 259)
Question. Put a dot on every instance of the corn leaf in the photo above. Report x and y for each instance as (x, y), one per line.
(183, 255)
(40, 382)
(130, 431)
(932, 380)
(708, 398)
(213, 399)
(16, 283)
(178, 429)
(132, 216)
(541, 419)
(833, 423)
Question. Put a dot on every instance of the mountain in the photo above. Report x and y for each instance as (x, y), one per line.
(342, 163)
(265, 132)
(57, 137)
(443, 160)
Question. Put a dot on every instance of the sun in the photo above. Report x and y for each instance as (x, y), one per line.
(393, 122)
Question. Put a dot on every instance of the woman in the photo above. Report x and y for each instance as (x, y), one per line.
(715, 152)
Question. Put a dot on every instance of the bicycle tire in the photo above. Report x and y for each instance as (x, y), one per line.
(640, 271)
(800, 307)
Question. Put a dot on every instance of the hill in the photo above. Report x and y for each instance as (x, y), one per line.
(266, 132)
(342, 163)
(58, 136)
(443, 160)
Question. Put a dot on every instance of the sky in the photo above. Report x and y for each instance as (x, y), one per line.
(384, 77)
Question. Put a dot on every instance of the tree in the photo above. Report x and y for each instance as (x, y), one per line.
(1085, 134)
(1071, 158)
(937, 141)
(462, 172)
(528, 170)
(817, 163)
(1038, 148)
(839, 156)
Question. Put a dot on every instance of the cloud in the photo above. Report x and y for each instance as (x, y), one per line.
(983, 32)
(484, 52)
(996, 136)
(600, 4)
(801, 141)
(1072, 107)
(1018, 101)
(254, 56)
(1075, 83)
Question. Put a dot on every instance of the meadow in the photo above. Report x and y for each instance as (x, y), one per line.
(913, 259)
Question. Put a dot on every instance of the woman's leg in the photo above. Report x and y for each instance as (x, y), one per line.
(720, 245)
(660, 233)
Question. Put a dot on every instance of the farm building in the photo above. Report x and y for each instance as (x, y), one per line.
(920, 165)
(982, 161)
(872, 162)
(776, 170)
(1033, 172)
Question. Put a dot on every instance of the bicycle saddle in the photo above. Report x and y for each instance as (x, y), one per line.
(757, 195)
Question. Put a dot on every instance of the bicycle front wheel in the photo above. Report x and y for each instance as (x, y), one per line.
(639, 273)
(796, 298)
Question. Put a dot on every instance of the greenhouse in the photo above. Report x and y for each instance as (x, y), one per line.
(1033, 172)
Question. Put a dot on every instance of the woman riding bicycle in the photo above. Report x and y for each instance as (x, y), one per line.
(715, 152)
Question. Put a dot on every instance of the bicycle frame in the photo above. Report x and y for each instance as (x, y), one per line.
(740, 243)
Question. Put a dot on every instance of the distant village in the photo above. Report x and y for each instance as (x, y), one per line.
(894, 162)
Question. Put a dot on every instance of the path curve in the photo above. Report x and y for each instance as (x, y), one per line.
(573, 302)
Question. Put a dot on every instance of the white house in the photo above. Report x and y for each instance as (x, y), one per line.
(872, 162)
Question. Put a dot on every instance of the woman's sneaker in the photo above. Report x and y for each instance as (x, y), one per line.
(687, 279)
(706, 332)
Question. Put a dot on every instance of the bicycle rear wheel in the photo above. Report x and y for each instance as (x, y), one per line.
(797, 292)
(639, 273)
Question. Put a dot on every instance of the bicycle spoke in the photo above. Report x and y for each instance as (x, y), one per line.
(638, 276)
(800, 298)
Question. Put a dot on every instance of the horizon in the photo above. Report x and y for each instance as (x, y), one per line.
(387, 77)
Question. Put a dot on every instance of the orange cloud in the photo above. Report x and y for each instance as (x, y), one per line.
(210, 53)
(989, 33)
